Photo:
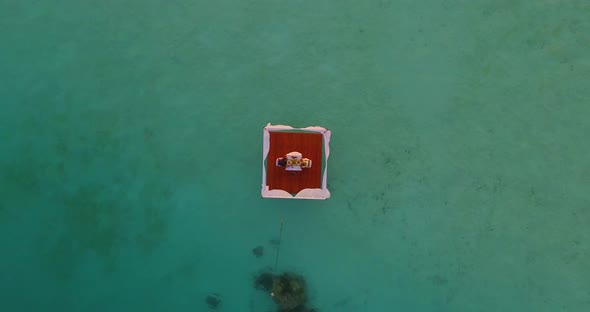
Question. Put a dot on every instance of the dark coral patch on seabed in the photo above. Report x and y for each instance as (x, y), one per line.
(213, 301)
(287, 290)
(258, 251)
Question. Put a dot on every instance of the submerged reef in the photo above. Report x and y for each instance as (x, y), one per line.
(258, 251)
(213, 301)
(288, 290)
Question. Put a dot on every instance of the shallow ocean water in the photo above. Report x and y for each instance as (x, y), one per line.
(131, 143)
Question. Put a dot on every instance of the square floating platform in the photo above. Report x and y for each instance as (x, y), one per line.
(295, 162)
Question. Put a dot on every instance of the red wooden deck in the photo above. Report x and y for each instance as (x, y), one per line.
(308, 144)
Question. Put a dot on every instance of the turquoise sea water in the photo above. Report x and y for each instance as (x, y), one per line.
(131, 143)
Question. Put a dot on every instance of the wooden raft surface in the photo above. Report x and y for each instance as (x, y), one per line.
(310, 146)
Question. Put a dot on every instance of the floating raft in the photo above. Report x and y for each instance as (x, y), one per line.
(295, 162)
